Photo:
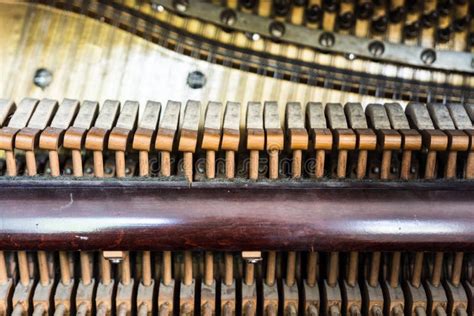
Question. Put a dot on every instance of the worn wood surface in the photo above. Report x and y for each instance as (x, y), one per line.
(93, 60)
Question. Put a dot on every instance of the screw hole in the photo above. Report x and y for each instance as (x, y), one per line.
(277, 29)
(376, 48)
(228, 17)
(42, 78)
(327, 39)
(196, 80)
(428, 56)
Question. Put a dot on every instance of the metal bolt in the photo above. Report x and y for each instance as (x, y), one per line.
(277, 29)
(350, 56)
(181, 5)
(128, 170)
(253, 36)
(327, 39)
(196, 80)
(157, 7)
(201, 167)
(228, 17)
(108, 170)
(428, 56)
(376, 170)
(68, 171)
(42, 78)
(413, 170)
(89, 170)
(376, 48)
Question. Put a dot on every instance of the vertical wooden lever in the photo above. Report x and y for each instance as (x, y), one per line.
(345, 139)
(462, 122)
(97, 136)
(18, 121)
(75, 136)
(255, 137)
(120, 137)
(188, 136)
(457, 139)
(297, 136)
(51, 138)
(366, 138)
(270, 290)
(388, 139)
(231, 137)
(321, 136)
(166, 136)
(411, 138)
(28, 137)
(212, 136)
(166, 287)
(433, 140)
(6, 108)
(273, 137)
(143, 137)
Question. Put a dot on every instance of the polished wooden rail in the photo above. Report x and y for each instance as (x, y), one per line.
(48, 214)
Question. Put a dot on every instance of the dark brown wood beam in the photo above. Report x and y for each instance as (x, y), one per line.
(156, 215)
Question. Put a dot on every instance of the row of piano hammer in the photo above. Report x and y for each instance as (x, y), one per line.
(385, 129)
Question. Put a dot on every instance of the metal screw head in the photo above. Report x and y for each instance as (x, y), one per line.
(326, 39)
(108, 170)
(201, 167)
(253, 36)
(89, 170)
(157, 7)
(228, 17)
(376, 48)
(68, 171)
(42, 78)
(277, 29)
(350, 56)
(376, 170)
(196, 80)
(181, 5)
(128, 171)
(428, 56)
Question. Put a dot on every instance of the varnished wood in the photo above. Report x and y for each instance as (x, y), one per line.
(53, 210)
